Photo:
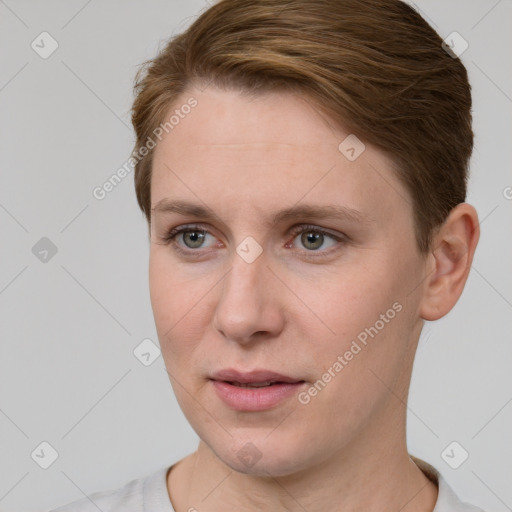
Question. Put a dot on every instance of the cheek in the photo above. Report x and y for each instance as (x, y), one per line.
(349, 297)
(364, 315)
(182, 300)
(172, 293)
(170, 299)
(374, 317)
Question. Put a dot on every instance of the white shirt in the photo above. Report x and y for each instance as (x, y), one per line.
(149, 494)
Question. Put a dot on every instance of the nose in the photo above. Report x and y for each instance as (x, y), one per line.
(248, 308)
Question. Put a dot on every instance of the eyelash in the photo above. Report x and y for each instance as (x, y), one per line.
(170, 237)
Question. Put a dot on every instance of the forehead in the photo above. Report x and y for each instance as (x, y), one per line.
(273, 128)
(270, 148)
(233, 117)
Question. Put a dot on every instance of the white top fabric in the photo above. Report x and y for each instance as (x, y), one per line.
(149, 494)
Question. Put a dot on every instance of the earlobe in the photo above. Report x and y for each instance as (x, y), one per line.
(453, 248)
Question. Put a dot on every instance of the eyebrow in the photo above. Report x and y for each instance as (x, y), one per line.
(310, 211)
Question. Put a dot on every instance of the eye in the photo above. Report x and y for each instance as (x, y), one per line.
(193, 239)
(314, 238)
(189, 237)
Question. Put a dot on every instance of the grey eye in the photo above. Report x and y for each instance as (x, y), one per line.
(311, 240)
(193, 239)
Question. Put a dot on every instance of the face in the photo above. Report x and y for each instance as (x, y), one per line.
(278, 257)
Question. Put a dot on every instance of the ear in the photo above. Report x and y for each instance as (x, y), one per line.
(449, 263)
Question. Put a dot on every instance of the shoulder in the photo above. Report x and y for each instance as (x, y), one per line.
(135, 495)
(130, 495)
(447, 500)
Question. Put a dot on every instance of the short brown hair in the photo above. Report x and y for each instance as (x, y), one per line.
(374, 66)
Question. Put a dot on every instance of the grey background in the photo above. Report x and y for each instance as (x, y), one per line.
(68, 375)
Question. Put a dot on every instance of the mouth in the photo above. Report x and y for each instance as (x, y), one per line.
(257, 390)
(255, 384)
(254, 378)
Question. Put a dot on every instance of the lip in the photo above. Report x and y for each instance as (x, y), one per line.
(254, 399)
(231, 375)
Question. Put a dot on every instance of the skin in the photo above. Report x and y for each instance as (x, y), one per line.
(294, 309)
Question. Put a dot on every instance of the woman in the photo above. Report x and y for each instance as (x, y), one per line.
(302, 166)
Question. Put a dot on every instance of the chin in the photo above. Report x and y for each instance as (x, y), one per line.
(264, 458)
